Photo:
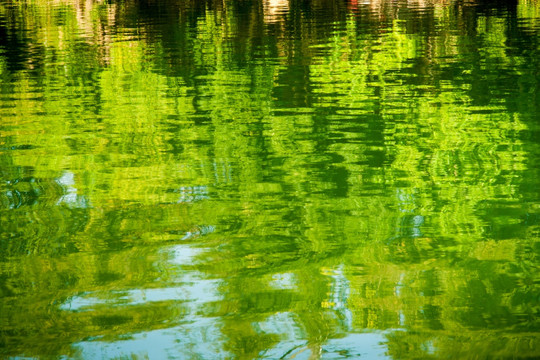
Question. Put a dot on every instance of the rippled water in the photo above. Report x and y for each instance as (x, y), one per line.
(277, 179)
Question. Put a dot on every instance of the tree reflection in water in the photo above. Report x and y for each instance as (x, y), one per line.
(269, 179)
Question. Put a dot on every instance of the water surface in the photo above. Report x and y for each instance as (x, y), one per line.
(269, 179)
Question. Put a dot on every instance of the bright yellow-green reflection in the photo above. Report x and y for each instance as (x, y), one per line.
(269, 179)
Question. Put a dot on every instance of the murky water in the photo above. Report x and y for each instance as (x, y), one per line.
(276, 179)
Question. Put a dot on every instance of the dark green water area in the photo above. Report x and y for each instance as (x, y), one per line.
(269, 179)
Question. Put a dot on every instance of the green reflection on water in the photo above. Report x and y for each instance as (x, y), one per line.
(275, 179)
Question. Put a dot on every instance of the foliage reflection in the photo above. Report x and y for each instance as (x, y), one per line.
(269, 179)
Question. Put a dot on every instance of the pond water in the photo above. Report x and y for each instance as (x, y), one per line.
(270, 179)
